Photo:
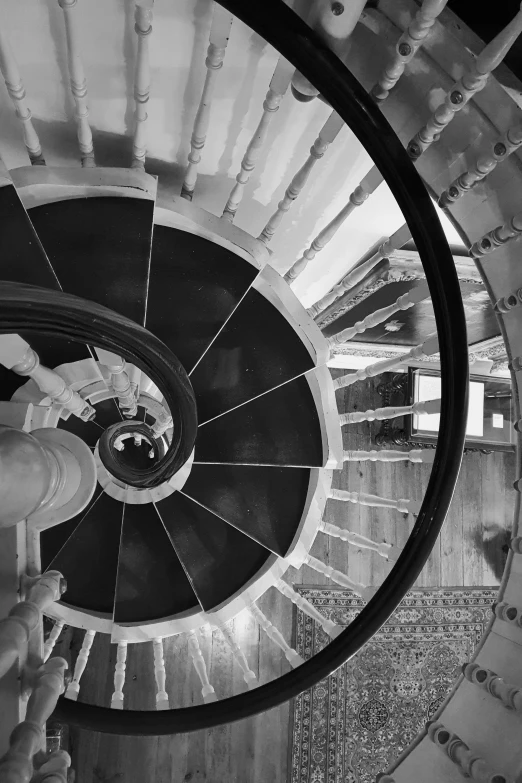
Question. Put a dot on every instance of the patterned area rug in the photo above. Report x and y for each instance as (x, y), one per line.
(351, 726)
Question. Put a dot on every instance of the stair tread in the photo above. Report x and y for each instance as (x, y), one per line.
(151, 582)
(195, 284)
(265, 503)
(100, 249)
(89, 558)
(281, 427)
(217, 558)
(257, 350)
(54, 538)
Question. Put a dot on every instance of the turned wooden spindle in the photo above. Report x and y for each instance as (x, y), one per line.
(386, 455)
(25, 617)
(407, 45)
(502, 148)
(78, 82)
(497, 237)
(508, 302)
(364, 592)
(276, 91)
(473, 81)
(162, 698)
(126, 392)
(54, 769)
(142, 81)
(366, 187)
(509, 695)
(508, 613)
(248, 675)
(402, 505)
(332, 629)
(426, 407)
(52, 639)
(427, 348)
(119, 676)
(73, 689)
(327, 135)
(162, 423)
(207, 691)
(293, 658)
(360, 271)
(404, 302)
(219, 34)
(17, 355)
(469, 763)
(16, 90)
(28, 738)
(388, 551)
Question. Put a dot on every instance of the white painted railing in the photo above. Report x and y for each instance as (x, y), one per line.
(142, 81)
(402, 505)
(162, 699)
(363, 591)
(126, 393)
(498, 236)
(388, 551)
(426, 407)
(73, 689)
(248, 675)
(207, 690)
(332, 629)
(52, 639)
(293, 658)
(119, 676)
(387, 455)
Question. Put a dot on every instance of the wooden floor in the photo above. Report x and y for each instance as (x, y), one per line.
(468, 552)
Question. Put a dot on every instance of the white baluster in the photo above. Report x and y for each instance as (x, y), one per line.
(327, 135)
(26, 616)
(207, 691)
(162, 698)
(78, 82)
(28, 737)
(162, 423)
(420, 352)
(332, 629)
(142, 79)
(51, 639)
(407, 46)
(119, 379)
(248, 675)
(364, 592)
(119, 676)
(497, 237)
(387, 551)
(510, 695)
(484, 165)
(402, 505)
(360, 271)
(404, 302)
(17, 355)
(219, 33)
(293, 658)
(386, 455)
(278, 87)
(426, 407)
(54, 769)
(472, 82)
(468, 763)
(367, 186)
(15, 88)
(73, 689)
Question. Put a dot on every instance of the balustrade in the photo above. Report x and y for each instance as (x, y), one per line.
(407, 46)
(207, 691)
(386, 455)
(364, 592)
(162, 698)
(277, 89)
(508, 613)
(469, 763)
(332, 629)
(52, 639)
(509, 695)
(429, 347)
(25, 617)
(388, 551)
(473, 81)
(73, 689)
(327, 135)
(248, 675)
(124, 390)
(402, 505)
(219, 33)
(78, 82)
(484, 165)
(17, 355)
(360, 271)
(366, 187)
(16, 90)
(119, 676)
(27, 739)
(142, 81)
(497, 237)
(162, 424)
(509, 302)
(293, 657)
(426, 407)
(404, 302)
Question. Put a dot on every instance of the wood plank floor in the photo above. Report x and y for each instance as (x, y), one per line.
(468, 552)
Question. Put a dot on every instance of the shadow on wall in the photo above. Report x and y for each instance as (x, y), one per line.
(493, 544)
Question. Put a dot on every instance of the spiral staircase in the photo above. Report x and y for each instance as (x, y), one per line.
(133, 310)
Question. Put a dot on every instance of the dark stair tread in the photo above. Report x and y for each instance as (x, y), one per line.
(256, 351)
(100, 249)
(218, 559)
(151, 582)
(265, 503)
(281, 427)
(89, 558)
(107, 413)
(195, 285)
(54, 538)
